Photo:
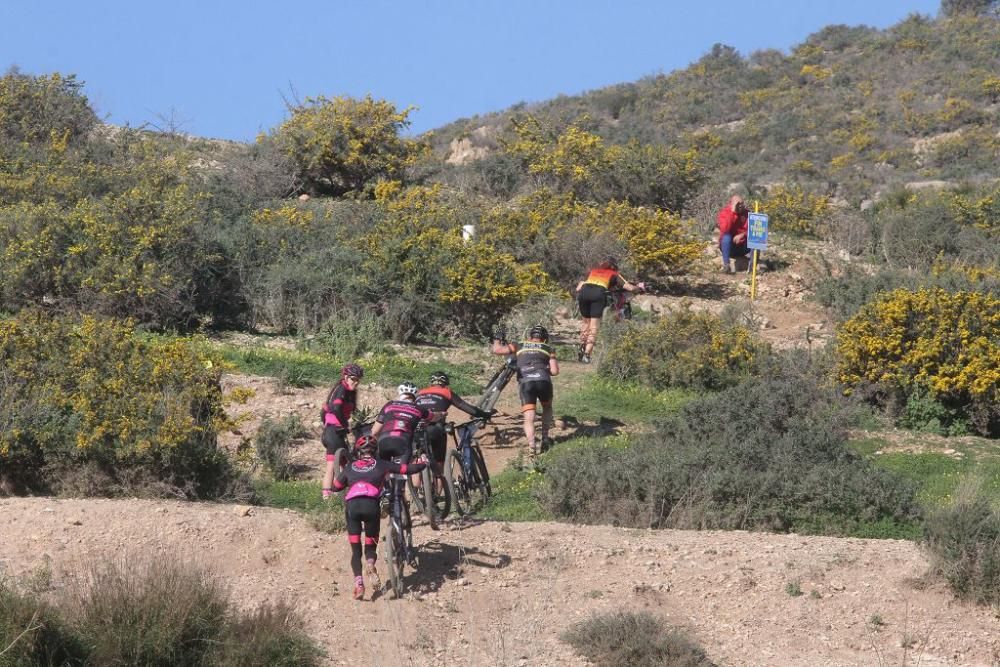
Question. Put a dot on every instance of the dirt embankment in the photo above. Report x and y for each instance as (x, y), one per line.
(501, 594)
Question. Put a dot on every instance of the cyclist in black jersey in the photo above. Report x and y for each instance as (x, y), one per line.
(437, 399)
(336, 416)
(536, 366)
(397, 422)
(364, 479)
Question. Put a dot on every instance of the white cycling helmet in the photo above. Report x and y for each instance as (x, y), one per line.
(407, 389)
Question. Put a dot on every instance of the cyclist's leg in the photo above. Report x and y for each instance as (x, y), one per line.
(332, 442)
(548, 418)
(527, 394)
(354, 538)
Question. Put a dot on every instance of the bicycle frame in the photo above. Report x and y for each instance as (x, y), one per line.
(497, 383)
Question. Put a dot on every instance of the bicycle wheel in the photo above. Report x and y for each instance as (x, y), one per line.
(427, 489)
(395, 557)
(482, 474)
(341, 459)
(454, 475)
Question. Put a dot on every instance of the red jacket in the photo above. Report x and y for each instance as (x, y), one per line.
(731, 223)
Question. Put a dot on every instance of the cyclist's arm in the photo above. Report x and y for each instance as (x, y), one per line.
(377, 426)
(406, 468)
(467, 407)
(579, 286)
(553, 365)
(501, 347)
(631, 287)
(340, 483)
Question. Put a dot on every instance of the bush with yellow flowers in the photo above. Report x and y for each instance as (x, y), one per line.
(929, 343)
(346, 145)
(686, 348)
(91, 397)
(794, 210)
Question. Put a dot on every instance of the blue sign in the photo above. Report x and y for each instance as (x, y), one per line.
(757, 231)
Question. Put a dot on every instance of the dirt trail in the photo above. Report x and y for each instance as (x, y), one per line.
(497, 594)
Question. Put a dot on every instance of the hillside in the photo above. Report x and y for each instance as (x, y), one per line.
(852, 111)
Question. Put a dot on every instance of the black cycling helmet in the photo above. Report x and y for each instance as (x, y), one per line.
(440, 378)
(539, 332)
(352, 371)
(610, 262)
(365, 445)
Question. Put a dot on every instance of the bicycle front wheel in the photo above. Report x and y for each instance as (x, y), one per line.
(481, 474)
(341, 460)
(395, 557)
(458, 484)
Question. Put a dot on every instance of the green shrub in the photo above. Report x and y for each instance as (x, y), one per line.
(964, 540)
(351, 335)
(91, 393)
(273, 440)
(687, 349)
(32, 633)
(149, 612)
(924, 413)
(636, 639)
(47, 109)
(769, 454)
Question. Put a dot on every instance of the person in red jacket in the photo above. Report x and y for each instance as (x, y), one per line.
(733, 231)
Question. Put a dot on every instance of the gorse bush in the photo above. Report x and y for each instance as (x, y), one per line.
(685, 348)
(635, 639)
(768, 454)
(793, 210)
(964, 541)
(345, 145)
(91, 394)
(159, 613)
(927, 342)
(846, 294)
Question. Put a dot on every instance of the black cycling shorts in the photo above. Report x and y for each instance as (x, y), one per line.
(591, 299)
(363, 515)
(394, 448)
(437, 438)
(535, 390)
(332, 438)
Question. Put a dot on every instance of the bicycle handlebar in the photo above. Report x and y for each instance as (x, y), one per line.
(451, 427)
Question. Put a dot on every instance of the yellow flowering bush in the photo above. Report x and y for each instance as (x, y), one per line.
(344, 144)
(793, 210)
(928, 342)
(90, 393)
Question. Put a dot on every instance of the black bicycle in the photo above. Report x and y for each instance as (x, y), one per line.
(497, 383)
(465, 468)
(398, 537)
(432, 497)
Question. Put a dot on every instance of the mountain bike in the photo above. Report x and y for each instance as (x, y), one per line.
(398, 537)
(433, 496)
(465, 468)
(498, 382)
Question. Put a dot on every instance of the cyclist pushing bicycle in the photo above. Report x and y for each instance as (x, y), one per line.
(364, 479)
(536, 366)
(437, 399)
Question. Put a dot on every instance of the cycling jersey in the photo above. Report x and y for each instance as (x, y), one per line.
(400, 419)
(364, 478)
(606, 278)
(339, 406)
(437, 400)
(533, 361)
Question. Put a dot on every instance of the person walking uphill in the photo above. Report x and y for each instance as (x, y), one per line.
(337, 410)
(591, 295)
(733, 231)
(364, 479)
(536, 366)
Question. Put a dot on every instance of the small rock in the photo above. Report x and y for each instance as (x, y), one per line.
(75, 522)
(242, 510)
(303, 197)
(462, 582)
(837, 586)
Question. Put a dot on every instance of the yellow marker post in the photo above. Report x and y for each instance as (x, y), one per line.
(753, 271)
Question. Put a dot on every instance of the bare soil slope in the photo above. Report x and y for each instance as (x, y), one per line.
(498, 594)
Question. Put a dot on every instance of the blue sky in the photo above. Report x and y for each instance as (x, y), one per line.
(221, 68)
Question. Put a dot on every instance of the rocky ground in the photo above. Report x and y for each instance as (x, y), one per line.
(501, 594)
